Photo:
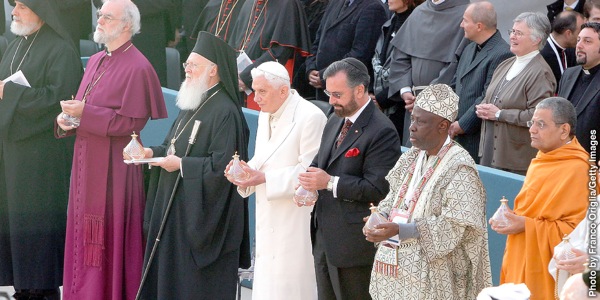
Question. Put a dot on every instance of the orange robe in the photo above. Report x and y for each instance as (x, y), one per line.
(554, 198)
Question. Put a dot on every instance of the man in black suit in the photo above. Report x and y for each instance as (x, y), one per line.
(349, 28)
(581, 85)
(474, 72)
(559, 51)
(559, 6)
(358, 148)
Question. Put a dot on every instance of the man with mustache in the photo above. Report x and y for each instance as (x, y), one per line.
(205, 235)
(580, 84)
(119, 92)
(34, 166)
(436, 213)
(358, 148)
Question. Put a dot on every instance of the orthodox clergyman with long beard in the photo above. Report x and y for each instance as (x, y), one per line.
(204, 238)
(34, 166)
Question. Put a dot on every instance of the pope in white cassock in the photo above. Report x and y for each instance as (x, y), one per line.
(288, 137)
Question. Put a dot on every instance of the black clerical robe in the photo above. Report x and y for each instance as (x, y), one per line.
(34, 166)
(269, 30)
(218, 17)
(197, 257)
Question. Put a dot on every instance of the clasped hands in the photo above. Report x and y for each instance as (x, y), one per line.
(73, 108)
(486, 111)
(517, 224)
(381, 232)
(573, 265)
(255, 177)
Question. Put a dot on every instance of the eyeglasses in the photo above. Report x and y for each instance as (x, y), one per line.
(336, 95)
(517, 33)
(107, 18)
(540, 124)
(194, 66)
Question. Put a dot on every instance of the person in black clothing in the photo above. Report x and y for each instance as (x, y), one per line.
(382, 59)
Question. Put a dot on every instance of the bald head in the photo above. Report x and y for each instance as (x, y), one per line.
(483, 12)
(479, 21)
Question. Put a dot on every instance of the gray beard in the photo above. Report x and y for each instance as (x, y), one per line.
(107, 37)
(22, 29)
(192, 93)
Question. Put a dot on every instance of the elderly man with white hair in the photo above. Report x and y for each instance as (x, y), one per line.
(288, 137)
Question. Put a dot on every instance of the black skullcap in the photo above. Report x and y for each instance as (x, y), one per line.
(356, 64)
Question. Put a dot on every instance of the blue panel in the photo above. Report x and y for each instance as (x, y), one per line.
(156, 130)
(497, 183)
(84, 60)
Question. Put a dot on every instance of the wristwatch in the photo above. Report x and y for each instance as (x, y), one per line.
(330, 183)
(498, 114)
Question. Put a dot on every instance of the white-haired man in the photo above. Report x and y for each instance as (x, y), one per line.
(288, 137)
(34, 166)
(119, 92)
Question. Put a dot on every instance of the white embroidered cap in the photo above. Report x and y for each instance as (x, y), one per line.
(439, 99)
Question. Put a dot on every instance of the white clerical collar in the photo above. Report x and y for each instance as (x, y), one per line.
(355, 116)
(437, 2)
(586, 72)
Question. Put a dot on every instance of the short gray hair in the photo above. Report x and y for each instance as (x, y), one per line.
(483, 12)
(131, 14)
(563, 111)
(275, 74)
(539, 25)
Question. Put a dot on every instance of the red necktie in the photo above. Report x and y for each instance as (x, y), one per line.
(344, 132)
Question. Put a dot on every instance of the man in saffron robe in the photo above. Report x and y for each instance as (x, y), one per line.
(436, 208)
(34, 166)
(204, 236)
(551, 203)
(119, 92)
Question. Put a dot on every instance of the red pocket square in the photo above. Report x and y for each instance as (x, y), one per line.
(352, 152)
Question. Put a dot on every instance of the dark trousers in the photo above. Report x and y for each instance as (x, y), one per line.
(339, 283)
(37, 294)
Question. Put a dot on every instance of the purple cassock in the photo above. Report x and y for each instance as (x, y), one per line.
(104, 248)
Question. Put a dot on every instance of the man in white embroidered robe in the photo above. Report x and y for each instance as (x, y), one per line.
(436, 205)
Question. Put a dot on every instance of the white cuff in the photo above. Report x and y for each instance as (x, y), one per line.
(335, 182)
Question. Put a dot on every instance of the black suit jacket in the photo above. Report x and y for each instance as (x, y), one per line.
(473, 75)
(551, 58)
(556, 8)
(352, 34)
(362, 181)
(588, 107)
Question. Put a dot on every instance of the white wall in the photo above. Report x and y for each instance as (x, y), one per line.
(507, 10)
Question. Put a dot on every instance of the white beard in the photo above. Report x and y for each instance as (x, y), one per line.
(107, 37)
(191, 94)
(22, 29)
